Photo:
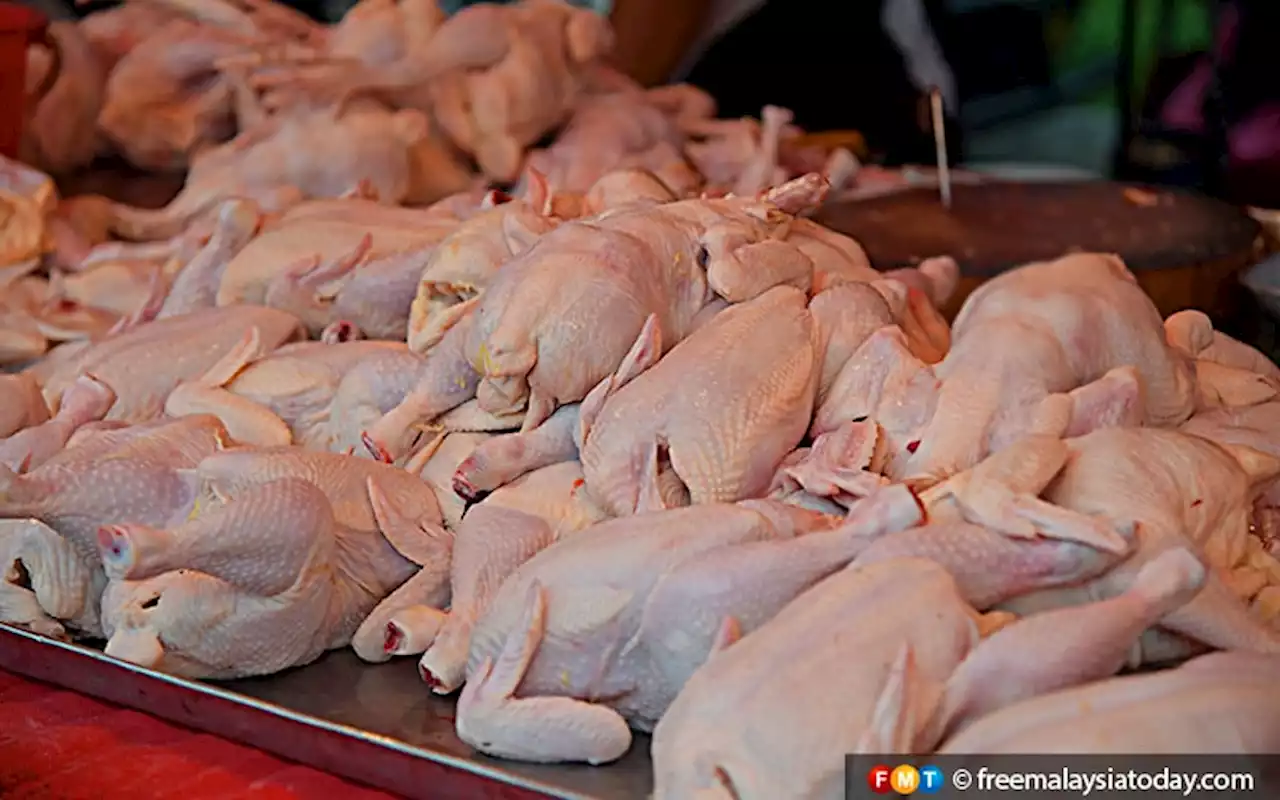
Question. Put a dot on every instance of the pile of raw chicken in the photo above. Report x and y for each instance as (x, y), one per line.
(635, 446)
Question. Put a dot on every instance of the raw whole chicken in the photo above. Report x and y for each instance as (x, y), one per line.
(1182, 491)
(165, 100)
(268, 579)
(85, 401)
(114, 32)
(711, 420)
(461, 266)
(870, 684)
(624, 130)
(61, 133)
(340, 531)
(1225, 703)
(1081, 347)
(498, 535)
(319, 233)
(529, 344)
(606, 614)
(503, 76)
(297, 157)
(139, 474)
(184, 348)
(299, 393)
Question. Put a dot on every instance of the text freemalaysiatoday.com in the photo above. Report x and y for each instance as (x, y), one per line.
(1093, 776)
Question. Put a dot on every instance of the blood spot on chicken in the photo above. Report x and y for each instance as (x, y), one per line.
(1197, 502)
(913, 445)
(391, 638)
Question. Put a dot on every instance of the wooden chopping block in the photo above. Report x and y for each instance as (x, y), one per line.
(1185, 249)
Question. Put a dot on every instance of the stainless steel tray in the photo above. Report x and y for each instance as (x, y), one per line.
(376, 724)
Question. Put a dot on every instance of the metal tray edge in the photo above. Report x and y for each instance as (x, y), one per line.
(368, 758)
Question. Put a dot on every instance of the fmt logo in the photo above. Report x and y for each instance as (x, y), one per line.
(904, 779)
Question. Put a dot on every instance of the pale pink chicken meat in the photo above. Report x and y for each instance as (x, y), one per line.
(143, 365)
(505, 457)
(270, 577)
(621, 130)
(496, 536)
(114, 32)
(299, 393)
(21, 404)
(506, 75)
(1181, 491)
(61, 132)
(44, 581)
(141, 473)
(165, 100)
(458, 268)
(319, 232)
(85, 401)
(626, 610)
(283, 160)
(196, 285)
(1226, 703)
(711, 420)
(830, 688)
(1080, 346)
(462, 265)
(532, 344)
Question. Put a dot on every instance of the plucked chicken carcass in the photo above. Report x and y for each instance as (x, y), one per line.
(61, 132)
(27, 197)
(497, 535)
(314, 154)
(860, 662)
(1183, 492)
(166, 101)
(461, 266)
(501, 77)
(41, 568)
(143, 365)
(710, 421)
(597, 631)
(203, 598)
(1077, 346)
(87, 400)
(496, 77)
(113, 32)
(137, 474)
(21, 404)
(621, 130)
(299, 393)
(318, 233)
(1218, 703)
(560, 318)
(196, 284)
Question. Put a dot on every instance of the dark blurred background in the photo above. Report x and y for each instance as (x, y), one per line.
(1181, 92)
